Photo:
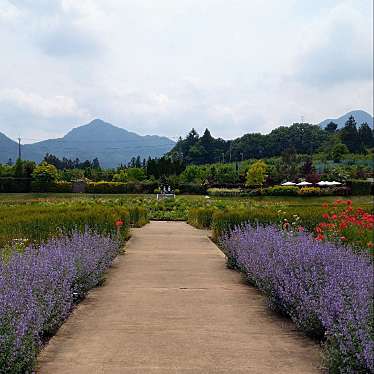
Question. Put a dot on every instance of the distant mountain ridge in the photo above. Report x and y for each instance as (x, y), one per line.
(110, 144)
(113, 145)
(359, 115)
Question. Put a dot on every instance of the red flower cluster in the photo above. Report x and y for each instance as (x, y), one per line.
(119, 223)
(344, 223)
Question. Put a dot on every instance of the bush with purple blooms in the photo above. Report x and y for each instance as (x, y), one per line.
(325, 288)
(39, 287)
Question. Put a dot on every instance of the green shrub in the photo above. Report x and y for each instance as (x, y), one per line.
(336, 191)
(121, 187)
(201, 217)
(282, 191)
(37, 223)
(61, 186)
(45, 172)
(360, 187)
(224, 221)
(138, 216)
(256, 192)
(193, 188)
(227, 192)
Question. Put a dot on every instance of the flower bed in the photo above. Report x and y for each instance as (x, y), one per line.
(343, 223)
(39, 287)
(324, 287)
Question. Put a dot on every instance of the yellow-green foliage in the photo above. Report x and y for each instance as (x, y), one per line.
(138, 216)
(309, 191)
(38, 222)
(201, 217)
(227, 192)
(282, 191)
(256, 174)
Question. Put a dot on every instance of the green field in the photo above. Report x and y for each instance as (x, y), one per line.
(37, 216)
(28, 198)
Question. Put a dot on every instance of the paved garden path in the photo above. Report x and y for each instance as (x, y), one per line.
(171, 306)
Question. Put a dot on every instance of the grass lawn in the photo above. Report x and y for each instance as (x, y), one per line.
(27, 198)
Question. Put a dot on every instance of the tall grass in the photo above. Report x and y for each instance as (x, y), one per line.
(224, 220)
(39, 222)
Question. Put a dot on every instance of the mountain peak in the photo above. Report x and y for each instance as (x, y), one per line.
(97, 122)
(112, 145)
(359, 115)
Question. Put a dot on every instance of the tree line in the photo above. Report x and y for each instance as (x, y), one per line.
(303, 138)
(290, 152)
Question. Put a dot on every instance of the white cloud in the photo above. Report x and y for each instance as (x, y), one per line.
(337, 47)
(36, 105)
(163, 67)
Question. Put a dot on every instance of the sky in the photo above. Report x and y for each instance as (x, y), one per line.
(162, 67)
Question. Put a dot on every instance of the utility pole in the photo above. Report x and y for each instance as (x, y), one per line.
(19, 148)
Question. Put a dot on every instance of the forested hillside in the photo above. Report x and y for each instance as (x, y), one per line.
(303, 138)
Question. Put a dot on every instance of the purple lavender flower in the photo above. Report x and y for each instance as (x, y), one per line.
(38, 288)
(325, 288)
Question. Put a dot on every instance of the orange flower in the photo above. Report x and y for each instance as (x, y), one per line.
(370, 245)
(320, 237)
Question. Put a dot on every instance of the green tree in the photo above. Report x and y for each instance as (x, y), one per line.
(256, 174)
(226, 173)
(28, 168)
(46, 173)
(338, 151)
(18, 169)
(307, 168)
(121, 176)
(349, 136)
(194, 174)
(136, 174)
(331, 127)
(366, 136)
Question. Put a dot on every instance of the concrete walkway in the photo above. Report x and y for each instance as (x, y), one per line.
(171, 306)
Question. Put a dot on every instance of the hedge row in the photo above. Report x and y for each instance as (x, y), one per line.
(354, 187)
(224, 220)
(120, 187)
(361, 187)
(283, 191)
(59, 187)
(15, 185)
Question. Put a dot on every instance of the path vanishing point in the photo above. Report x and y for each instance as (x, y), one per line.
(170, 305)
